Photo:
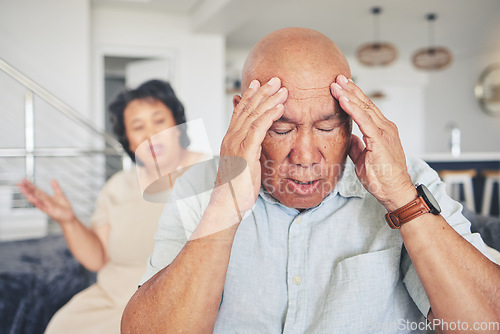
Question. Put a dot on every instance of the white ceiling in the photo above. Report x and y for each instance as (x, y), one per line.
(173, 6)
(464, 26)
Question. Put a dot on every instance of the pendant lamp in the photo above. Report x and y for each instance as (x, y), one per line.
(432, 57)
(377, 53)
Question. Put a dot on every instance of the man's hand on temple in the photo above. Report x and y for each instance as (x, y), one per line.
(253, 115)
(236, 192)
(381, 167)
(380, 161)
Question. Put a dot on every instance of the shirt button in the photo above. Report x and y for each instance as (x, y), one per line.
(298, 220)
(297, 280)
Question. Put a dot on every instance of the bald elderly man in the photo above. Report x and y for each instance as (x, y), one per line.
(296, 239)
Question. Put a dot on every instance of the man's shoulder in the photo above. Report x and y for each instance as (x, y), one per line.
(197, 179)
(421, 172)
(416, 164)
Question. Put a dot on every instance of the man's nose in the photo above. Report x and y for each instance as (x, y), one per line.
(305, 151)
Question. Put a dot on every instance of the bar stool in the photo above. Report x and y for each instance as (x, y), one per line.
(455, 178)
(491, 176)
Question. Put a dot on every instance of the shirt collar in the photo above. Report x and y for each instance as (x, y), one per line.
(349, 184)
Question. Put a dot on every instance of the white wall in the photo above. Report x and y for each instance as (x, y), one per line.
(450, 97)
(235, 59)
(199, 58)
(403, 103)
(49, 42)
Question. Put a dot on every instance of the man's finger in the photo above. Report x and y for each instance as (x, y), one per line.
(363, 100)
(250, 103)
(272, 102)
(338, 92)
(260, 126)
(247, 94)
(364, 120)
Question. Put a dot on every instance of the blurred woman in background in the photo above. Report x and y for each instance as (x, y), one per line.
(120, 236)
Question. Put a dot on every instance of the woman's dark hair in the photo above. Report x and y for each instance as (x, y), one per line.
(152, 89)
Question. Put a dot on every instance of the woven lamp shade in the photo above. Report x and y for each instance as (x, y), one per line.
(432, 58)
(435, 58)
(377, 54)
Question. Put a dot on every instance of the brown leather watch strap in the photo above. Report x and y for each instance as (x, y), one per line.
(410, 211)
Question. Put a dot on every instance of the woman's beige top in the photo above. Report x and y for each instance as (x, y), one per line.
(133, 222)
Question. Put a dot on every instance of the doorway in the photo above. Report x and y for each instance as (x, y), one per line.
(124, 72)
(114, 83)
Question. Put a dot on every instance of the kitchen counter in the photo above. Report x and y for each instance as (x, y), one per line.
(465, 156)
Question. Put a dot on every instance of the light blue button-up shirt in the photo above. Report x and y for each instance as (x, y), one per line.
(334, 268)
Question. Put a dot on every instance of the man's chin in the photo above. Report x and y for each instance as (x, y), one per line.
(300, 202)
(300, 197)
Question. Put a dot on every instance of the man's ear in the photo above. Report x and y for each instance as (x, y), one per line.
(236, 100)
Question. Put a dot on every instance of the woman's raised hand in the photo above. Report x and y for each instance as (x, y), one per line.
(57, 206)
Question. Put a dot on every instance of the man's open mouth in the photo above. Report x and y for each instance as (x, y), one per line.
(302, 187)
(299, 182)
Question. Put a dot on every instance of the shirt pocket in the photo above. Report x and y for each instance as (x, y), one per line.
(383, 264)
(364, 289)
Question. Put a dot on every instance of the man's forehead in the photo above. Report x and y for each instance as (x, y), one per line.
(311, 107)
(306, 84)
(298, 93)
(289, 118)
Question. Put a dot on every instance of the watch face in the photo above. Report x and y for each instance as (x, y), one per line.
(429, 199)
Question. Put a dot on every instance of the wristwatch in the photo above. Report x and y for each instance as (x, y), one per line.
(424, 203)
